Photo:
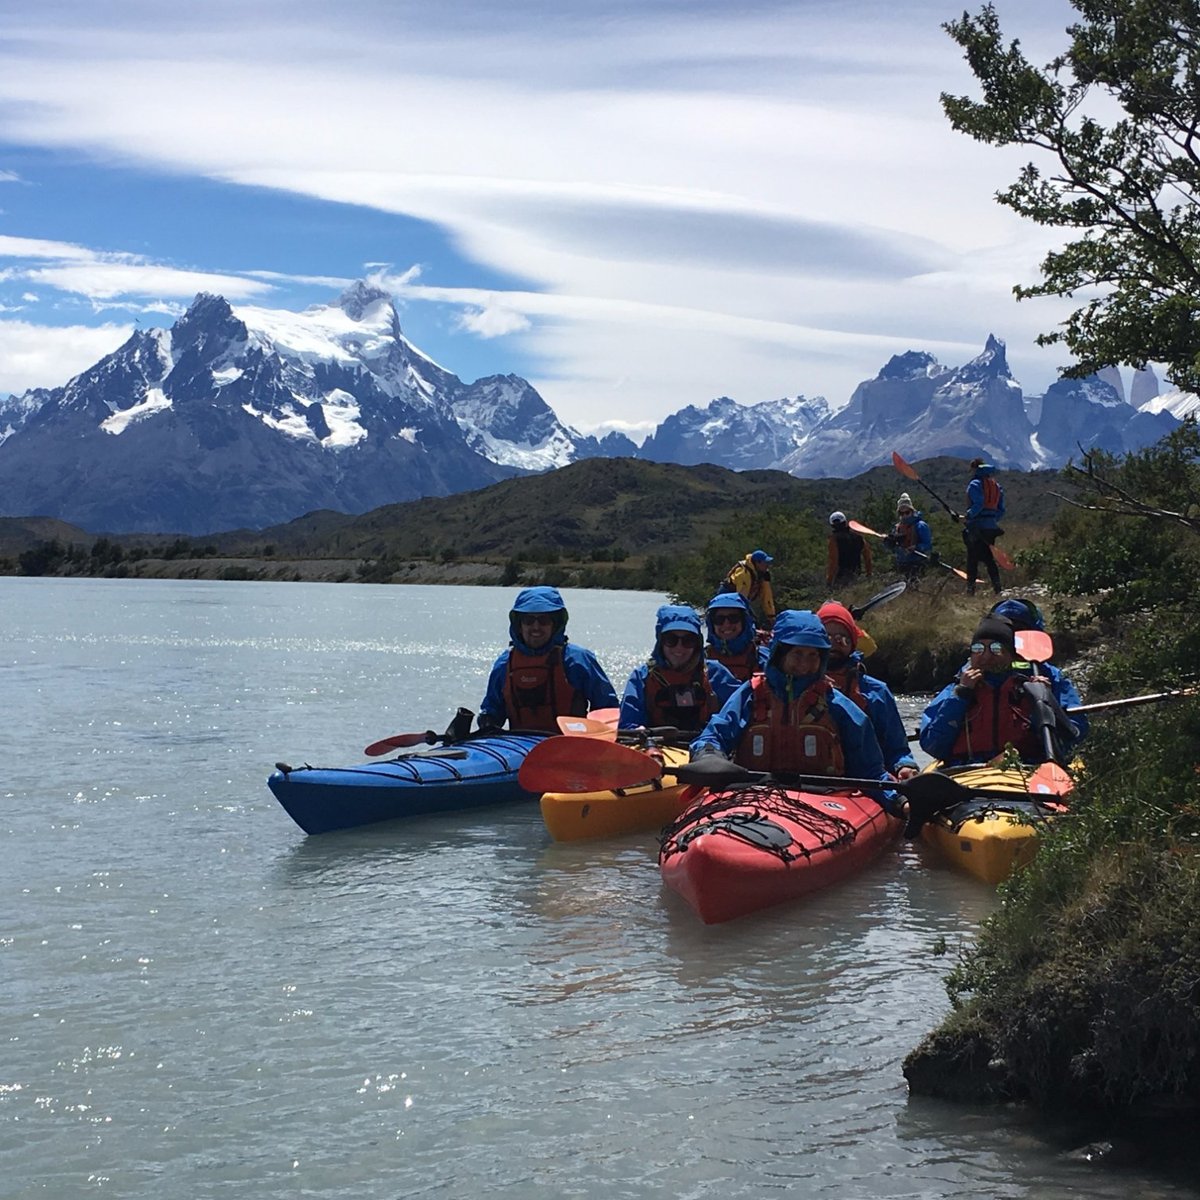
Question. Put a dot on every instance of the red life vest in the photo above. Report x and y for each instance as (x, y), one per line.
(991, 497)
(536, 690)
(905, 534)
(997, 717)
(799, 736)
(684, 699)
(848, 685)
(741, 664)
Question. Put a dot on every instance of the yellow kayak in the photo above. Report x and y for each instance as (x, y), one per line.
(572, 817)
(991, 838)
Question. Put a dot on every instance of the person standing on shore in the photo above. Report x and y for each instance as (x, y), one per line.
(981, 523)
(750, 577)
(909, 540)
(849, 553)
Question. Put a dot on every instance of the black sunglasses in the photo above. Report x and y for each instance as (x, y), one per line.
(994, 647)
(680, 639)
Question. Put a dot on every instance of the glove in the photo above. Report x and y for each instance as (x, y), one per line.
(890, 541)
(956, 518)
(487, 722)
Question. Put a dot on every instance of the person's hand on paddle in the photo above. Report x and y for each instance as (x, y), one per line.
(904, 773)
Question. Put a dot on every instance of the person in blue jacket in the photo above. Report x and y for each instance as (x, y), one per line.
(733, 636)
(909, 540)
(791, 719)
(981, 523)
(997, 701)
(542, 676)
(849, 674)
(678, 686)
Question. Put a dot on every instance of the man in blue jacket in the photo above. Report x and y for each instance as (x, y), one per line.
(981, 523)
(542, 676)
(910, 540)
(678, 686)
(792, 720)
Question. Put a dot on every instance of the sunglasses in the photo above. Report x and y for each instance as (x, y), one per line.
(731, 619)
(537, 619)
(994, 647)
(680, 639)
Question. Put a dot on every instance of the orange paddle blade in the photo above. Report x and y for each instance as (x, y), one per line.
(1034, 646)
(1050, 779)
(585, 764)
(1003, 559)
(903, 467)
(584, 727)
(609, 716)
(859, 527)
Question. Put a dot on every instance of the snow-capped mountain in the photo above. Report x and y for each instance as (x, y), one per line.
(734, 435)
(250, 416)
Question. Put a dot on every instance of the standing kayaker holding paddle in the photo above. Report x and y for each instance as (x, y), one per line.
(678, 686)
(981, 523)
(909, 540)
(733, 637)
(994, 703)
(542, 676)
(849, 555)
(791, 719)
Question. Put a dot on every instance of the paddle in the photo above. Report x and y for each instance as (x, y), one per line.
(859, 527)
(600, 722)
(1131, 701)
(588, 765)
(858, 611)
(459, 728)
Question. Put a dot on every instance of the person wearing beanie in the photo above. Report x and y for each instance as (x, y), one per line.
(987, 707)
(849, 553)
(981, 523)
(792, 720)
(677, 686)
(733, 636)
(542, 676)
(910, 540)
(750, 577)
(849, 675)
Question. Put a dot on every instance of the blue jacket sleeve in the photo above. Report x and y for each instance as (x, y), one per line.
(942, 721)
(860, 749)
(889, 728)
(924, 538)
(724, 682)
(492, 704)
(1067, 697)
(726, 727)
(584, 672)
(633, 702)
(974, 499)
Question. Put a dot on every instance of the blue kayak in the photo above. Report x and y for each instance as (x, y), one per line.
(477, 771)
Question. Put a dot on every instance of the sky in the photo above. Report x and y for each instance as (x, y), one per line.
(636, 207)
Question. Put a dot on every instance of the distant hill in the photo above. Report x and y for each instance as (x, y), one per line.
(18, 534)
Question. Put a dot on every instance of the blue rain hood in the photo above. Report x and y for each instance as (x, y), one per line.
(737, 644)
(538, 600)
(1019, 613)
(796, 627)
(676, 617)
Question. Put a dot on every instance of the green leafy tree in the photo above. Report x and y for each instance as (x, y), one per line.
(1118, 115)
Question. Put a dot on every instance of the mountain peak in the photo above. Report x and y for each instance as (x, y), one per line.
(359, 296)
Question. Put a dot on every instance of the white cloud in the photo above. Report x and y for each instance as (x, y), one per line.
(703, 199)
(47, 356)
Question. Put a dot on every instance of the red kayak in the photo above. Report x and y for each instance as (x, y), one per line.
(735, 851)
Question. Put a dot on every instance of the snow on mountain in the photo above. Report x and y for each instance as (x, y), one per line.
(734, 435)
(1176, 404)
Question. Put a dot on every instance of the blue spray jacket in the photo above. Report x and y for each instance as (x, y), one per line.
(943, 719)
(980, 515)
(581, 666)
(884, 716)
(735, 645)
(860, 747)
(922, 540)
(682, 619)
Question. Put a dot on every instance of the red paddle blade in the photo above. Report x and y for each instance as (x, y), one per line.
(1050, 779)
(903, 467)
(1034, 646)
(859, 527)
(585, 727)
(585, 764)
(1003, 559)
(397, 741)
(609, 716)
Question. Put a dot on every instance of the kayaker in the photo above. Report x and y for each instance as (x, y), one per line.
(981, 523)
(991, 705)
(542, 676)
(733, 637)
(849, 553)
(791, 719)
(909, 540)
(750, 578)
(849, 674)
(1023, 614)
(678, 686)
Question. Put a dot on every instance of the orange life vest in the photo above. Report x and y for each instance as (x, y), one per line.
(799, 736)
(536, 690)
(997, 717)
(905, 534)
(991, 497)
(684, 699)
(849, 686)
(741, 664)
